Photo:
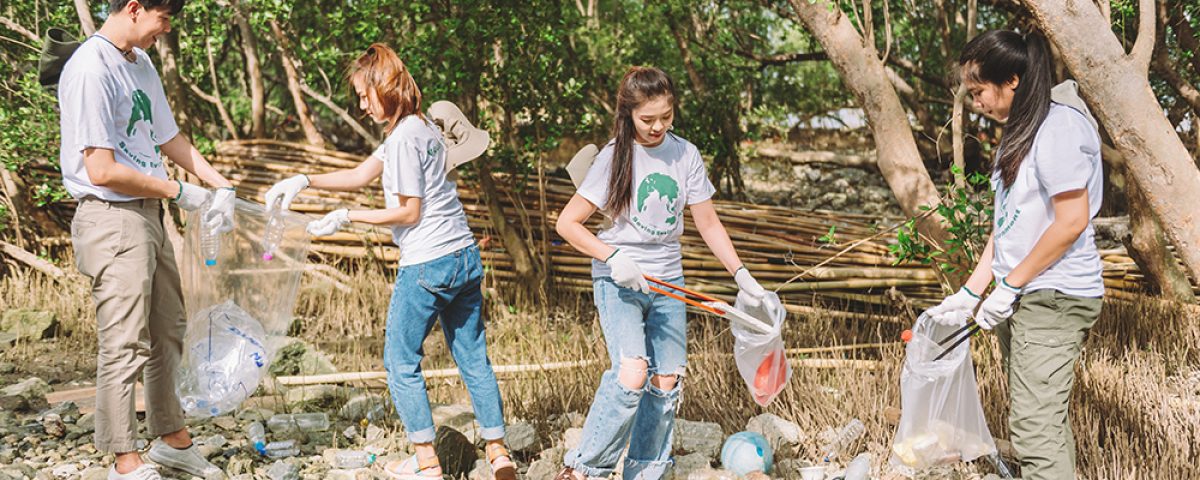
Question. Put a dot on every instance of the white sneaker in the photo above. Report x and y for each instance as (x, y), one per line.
(144, 472)
(188, 460)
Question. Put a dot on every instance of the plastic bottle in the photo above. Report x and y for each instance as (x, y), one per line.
(282, 449)
(258, 437)
(859, 468)
(350, 459)
(844, 439)
(304, 422)
(273, 232)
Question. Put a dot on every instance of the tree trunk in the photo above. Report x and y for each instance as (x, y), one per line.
(1116, 84)
(258, 110)
(168, 46)
(1147, 246)
(514, 243)
(311, 135)
(863, 72)
(85, 18)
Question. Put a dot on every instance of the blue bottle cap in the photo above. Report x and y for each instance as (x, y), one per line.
(210, 262)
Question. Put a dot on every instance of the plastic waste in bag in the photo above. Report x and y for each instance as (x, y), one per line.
(273, 231)
(941, 420)
(758, 350)
(225, 359)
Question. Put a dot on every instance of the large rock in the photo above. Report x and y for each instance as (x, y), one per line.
(692, 462)
(572, 437)
(29, 324)
(7, 339)
(296, 357)
(29, 394)
(311, 394)
(698, 437)
(455, 451)
(521, 437)
(547, 465)
(459, 417)
(370, 406)
(782, 435)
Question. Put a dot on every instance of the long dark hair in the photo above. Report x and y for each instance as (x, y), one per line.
(640, 85)
(996, 57)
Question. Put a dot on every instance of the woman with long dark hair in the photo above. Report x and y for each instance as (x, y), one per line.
(1048, 183)
(642, 181)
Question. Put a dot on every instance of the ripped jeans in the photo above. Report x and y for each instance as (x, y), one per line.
(646, 336)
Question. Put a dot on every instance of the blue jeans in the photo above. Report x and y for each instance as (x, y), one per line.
(448, 287)
(651, 327)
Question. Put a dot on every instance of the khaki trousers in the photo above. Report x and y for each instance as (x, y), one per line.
(140, 318)
(1040, 344)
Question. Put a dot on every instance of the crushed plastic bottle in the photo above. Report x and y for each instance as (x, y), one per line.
(210, 241)
(281, 470)
(351, 459)
(302, 422)
(226, 358)
(281, 449)
(273, 231)
(859, 468)
(845, 437)
(258, 437)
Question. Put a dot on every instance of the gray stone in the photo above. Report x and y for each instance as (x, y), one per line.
(370, 406)
(710, 474)
(458, 417)
(86, 422)
(572, 437)
(7, 455)
(698, 437)
(65, 470)
(54, 426)
(686, 464)
(282, 470)
(6, 367)
(7, 339)
(481, 471)
(29, 394)
(547, 465)
(225, 423)
(781, 434)
(29, 324)
(521, 437)
(296, 357)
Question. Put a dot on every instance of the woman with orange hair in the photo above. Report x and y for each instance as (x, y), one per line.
(440, 270)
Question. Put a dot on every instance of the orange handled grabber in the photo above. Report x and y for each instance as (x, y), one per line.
(710, 304)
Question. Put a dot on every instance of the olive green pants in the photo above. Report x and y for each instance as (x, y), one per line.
(1040, 344)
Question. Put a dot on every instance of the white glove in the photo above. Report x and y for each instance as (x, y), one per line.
(191, 196)
(330, 224)
(750, 293)
(219, 217)
(287, 189)
(626, 273)
(956, 309)
(998, 306)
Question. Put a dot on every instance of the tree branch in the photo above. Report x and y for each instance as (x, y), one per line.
(782, 58)
(16, 27)
(1143, 48)
(341, 112)
(85, 18)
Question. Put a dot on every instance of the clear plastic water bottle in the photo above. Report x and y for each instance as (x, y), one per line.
(258, 437)
(210, 240)
(859, 468)
(281, 449)
(844, 439)
(303, 422)
(350, 459)
(273, 232)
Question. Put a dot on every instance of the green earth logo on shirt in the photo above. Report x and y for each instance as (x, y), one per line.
(657, 212)
(141, 110)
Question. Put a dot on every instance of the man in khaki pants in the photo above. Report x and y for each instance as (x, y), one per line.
(116, 125)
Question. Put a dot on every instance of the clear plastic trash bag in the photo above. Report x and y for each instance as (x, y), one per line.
(941, 420)
(245, 290)
(758, 348)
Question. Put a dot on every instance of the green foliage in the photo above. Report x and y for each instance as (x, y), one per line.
(967, 215)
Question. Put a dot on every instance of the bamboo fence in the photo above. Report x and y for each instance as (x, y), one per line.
(775, 243)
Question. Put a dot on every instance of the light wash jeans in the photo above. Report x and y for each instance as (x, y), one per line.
(636, 325)
(447, 287)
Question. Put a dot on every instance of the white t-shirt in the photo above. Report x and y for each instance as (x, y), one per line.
(666, 178)
(414, 165)
(1065, 156)
(109, 102)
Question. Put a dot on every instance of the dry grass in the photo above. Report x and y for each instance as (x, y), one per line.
(1136, 409)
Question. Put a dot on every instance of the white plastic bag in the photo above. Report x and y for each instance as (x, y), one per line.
(941, 420)
(225, 357)
(759, 354)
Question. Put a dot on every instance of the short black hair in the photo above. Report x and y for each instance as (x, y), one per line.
(172, 6)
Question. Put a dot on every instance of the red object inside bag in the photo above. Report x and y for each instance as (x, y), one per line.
(771, 377)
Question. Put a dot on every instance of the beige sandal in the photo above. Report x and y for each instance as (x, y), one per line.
(414, 468)
(501, 462)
